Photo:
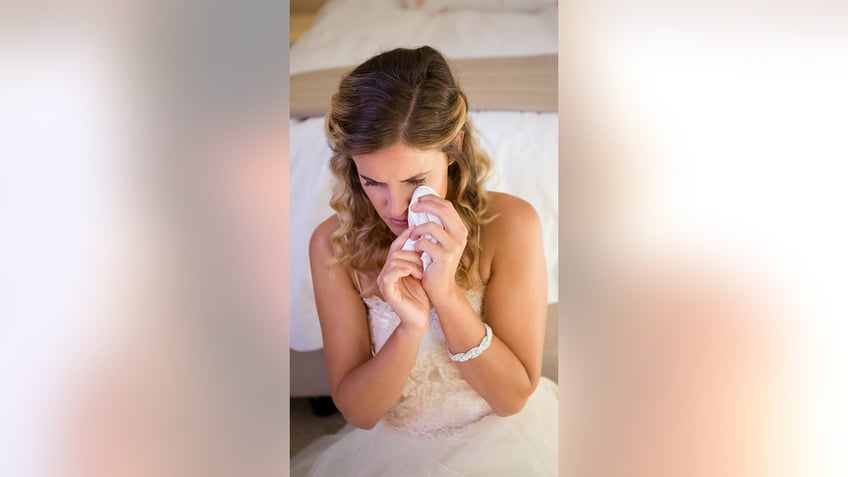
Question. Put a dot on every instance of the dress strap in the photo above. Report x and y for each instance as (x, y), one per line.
(356, 282)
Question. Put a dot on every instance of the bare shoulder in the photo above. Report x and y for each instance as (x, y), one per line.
(320, 244)
(514, 232)
(511, 213)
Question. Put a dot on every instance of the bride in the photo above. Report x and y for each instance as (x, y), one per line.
(432, 300)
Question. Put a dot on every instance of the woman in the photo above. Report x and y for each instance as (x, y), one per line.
(432, 378)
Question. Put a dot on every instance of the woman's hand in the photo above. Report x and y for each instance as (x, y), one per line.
(440, 279)
(400, 284)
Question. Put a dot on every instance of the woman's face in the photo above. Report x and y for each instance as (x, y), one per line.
(390, 175)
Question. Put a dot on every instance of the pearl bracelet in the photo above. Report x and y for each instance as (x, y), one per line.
(475, 351)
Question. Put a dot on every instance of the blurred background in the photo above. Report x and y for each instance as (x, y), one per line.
(144, 212)
(702, 203)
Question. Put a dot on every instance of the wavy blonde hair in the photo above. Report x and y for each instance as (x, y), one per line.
(407, 95)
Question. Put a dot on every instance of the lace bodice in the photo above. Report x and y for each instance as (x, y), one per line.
(436, 401)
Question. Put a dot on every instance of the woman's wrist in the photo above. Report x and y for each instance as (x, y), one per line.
(475, 351)
(413, 330)
(450, 297)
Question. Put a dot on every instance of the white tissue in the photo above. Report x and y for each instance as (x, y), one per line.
(418, 218)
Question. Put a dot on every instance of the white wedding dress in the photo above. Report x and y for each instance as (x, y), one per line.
(440, 426)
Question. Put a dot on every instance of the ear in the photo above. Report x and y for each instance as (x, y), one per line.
(458, 140)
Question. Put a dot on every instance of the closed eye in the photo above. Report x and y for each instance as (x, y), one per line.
(369, 182)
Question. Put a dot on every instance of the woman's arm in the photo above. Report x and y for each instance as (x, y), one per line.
(515, 306)
(363, 387)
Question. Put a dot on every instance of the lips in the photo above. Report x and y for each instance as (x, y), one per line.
(398, 222)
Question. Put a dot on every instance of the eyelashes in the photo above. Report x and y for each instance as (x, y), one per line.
(415, 182)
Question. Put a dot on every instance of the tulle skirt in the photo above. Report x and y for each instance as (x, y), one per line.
(523, 445)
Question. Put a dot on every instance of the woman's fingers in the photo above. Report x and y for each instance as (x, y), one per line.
(426, 246)
(401, 269)
(400, 240)
(450, 239)
(402, 263)
(440, 235)
(444, 210)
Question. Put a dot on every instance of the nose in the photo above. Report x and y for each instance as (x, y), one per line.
(398, 202)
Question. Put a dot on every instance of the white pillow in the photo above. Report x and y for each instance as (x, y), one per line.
(439, 6)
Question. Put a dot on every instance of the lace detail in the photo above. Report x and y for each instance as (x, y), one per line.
(436, 401)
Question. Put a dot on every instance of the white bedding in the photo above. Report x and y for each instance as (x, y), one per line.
(348, 32)
(523, 146)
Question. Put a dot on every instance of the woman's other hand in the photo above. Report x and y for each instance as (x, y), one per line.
(400, 284)
(439, 280)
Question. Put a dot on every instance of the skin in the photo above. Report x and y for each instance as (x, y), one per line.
(512, 267)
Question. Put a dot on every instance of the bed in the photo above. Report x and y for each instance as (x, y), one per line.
(510, 80)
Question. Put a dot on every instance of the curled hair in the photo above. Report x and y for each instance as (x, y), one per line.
(407, 95)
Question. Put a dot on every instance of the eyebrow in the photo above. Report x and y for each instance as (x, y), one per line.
(416, 176)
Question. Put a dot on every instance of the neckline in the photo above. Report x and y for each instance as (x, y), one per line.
(472, 293)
